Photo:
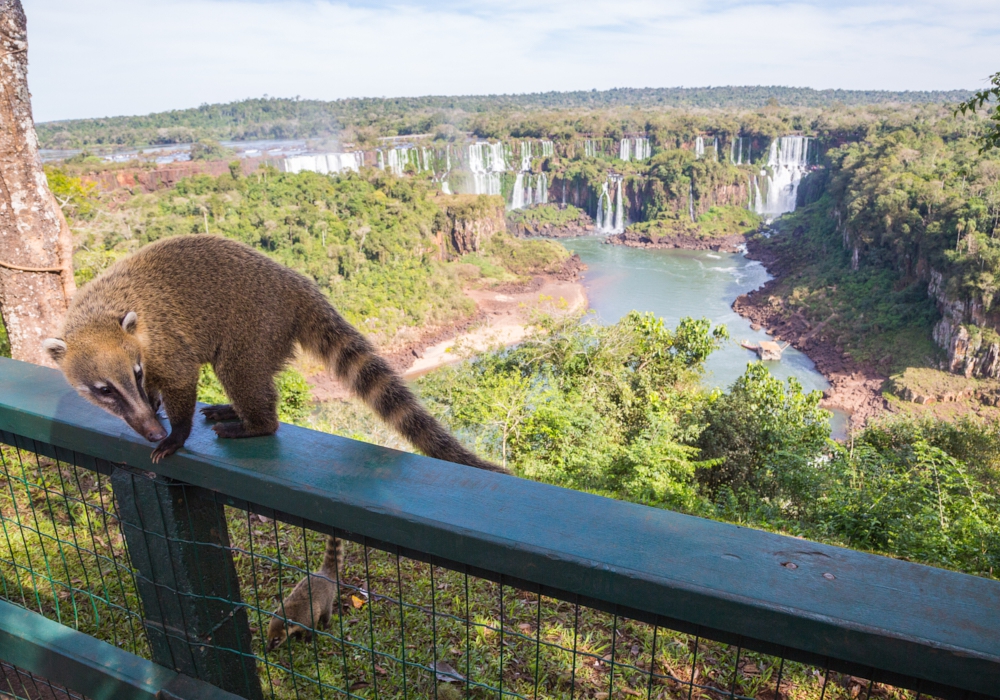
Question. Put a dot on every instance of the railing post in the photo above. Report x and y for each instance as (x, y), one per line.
(178, 544)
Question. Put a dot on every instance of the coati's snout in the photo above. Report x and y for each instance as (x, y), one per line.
(103, 362)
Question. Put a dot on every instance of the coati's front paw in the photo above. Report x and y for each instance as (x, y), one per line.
(166, 448)
(220, 412)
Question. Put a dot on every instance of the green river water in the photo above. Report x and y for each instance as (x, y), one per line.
(677, 283)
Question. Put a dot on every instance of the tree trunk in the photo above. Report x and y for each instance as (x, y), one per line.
(36, 246)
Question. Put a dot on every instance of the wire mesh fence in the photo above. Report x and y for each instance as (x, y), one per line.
(23, 685)
(384, 623)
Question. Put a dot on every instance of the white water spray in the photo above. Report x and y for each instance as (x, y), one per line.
(787, 163)
(610, 213)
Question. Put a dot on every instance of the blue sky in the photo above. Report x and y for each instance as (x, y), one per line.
(111, 57)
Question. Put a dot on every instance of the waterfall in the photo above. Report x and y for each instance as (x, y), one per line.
(324, 163)
(787, 163)
(548, 149)
(588, 148)
(642, 149)
(599, 219)
(691, 200)
(397, 158)
(486, 161)
(634, 149)
(542, 189)
(445, 187)
(525, 156)
(517, 196)
(564, 191)
(699, 147)
(610, 213)
(619, 209)
(715, 148)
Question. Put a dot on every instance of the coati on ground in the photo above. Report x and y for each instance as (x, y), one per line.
(139, 334)
(310, 604)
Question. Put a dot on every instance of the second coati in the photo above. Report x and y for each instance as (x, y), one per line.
(139, 334)
(310, 604)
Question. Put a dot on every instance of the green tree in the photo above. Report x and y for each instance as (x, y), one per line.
(764, 440)
(990, 139)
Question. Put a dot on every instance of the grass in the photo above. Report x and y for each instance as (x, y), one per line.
(62, 554)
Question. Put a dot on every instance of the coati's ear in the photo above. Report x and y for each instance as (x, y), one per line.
(56, 347)
(128, 323)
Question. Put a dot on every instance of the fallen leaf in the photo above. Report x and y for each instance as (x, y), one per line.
(525, 627)
(358, 685)
(447, 674)
(357, 602)
(381, 671)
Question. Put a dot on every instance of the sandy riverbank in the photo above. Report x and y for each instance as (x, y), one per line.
(506, 318)
(503, 317)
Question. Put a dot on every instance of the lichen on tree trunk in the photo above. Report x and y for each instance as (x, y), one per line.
(33, 231)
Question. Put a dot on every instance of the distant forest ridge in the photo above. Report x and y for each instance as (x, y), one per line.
(284, 118)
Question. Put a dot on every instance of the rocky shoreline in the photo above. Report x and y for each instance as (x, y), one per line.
(722, 244)
(854, 388)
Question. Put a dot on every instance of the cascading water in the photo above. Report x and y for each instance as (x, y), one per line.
(643, 149)
(525, 156)
(787, 163)
(548, 149)
(610, 213)
(715, 148)
(699, 147)
(325, 162)
(634, 149)
(542, 189)
(517, 196)
(486, 162)
(619, 209)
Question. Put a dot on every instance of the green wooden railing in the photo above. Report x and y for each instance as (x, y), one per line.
(124, 579)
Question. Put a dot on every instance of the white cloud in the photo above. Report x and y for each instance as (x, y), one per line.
(106, 57)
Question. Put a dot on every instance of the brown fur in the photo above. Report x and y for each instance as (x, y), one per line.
(310, 604)
(204, 299)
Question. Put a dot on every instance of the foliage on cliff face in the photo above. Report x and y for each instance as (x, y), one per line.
(369, 241)
(920, 198)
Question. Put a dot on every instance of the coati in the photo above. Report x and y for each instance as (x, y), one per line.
(138, 335)
(299, 613)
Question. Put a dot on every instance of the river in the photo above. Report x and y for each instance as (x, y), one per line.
(677, 283)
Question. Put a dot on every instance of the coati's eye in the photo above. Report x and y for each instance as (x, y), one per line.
(106, 390)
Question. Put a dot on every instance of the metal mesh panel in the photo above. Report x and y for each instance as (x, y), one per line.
(61, 548)
(402, 626)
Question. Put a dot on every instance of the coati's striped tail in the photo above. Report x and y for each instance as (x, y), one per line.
(333, 557)
(356, 363)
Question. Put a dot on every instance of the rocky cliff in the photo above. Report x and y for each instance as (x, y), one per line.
(467, 222)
